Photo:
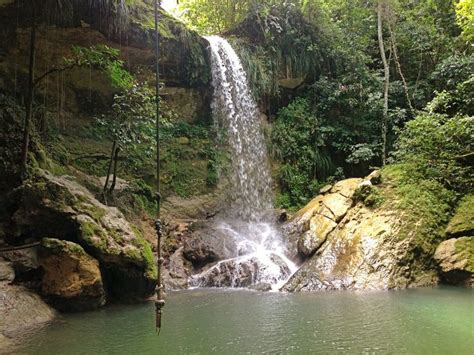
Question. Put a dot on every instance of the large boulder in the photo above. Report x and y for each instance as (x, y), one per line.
(61, 208)
(455, 258)
(72, 280)
(20, 310)
(310, 226)
(348, 245)
(209, 245)
(462, 223)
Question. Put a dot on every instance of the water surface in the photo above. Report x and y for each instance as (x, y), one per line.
(422, 321)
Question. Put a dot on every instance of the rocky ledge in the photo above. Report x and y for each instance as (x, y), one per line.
(89, 253)
(347, 238)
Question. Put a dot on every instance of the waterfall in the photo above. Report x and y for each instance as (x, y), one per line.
(260, 252)
(237, 116)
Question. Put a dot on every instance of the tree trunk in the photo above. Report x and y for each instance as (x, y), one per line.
(29, 95)
(109, 170)
(399, 68)
(114, 178)
(380, 9)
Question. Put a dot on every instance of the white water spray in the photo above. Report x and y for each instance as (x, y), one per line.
(260, 256)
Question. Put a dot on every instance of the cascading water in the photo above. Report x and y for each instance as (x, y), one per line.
(259, 256)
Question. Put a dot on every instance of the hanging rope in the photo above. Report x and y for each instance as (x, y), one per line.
(159, 301)
(21, 247)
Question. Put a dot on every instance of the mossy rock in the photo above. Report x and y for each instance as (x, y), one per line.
(58, 206)
(455, 258)
(462, 223)
(71, 280)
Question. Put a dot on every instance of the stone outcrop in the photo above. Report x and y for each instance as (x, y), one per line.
(59, 207)
(348, 245)
(456, 261)
(312, 224)
(176, 272)
(20, 308)
(72, 278)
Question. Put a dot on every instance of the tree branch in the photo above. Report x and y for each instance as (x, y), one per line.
(54, 70)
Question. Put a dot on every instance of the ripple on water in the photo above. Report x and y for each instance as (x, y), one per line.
(421, 321)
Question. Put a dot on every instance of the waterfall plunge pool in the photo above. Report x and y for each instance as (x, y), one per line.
(203, 321)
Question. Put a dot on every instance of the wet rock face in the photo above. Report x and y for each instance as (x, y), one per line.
(60, 208)
(241, 272)
(351, 246)
(208, 245)
(455, 258)
(72, 280)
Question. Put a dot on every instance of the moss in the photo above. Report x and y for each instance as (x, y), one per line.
(92, 234)
(425, 206)
(61, 246)
(369, 195)
(84, 206)
(151, 271)
(465, 249)
(463, 221)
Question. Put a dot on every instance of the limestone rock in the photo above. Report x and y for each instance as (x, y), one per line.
(72, 280)
(24, 262)
(354, 247)
(7, 273)
(311, 240)
(456, 261)
(59, 207)
(291, 83)
(176, 273)
(308, 229)
(21, 309)
(325, 189)
(375, 177)
(462, 224)
(346, 187)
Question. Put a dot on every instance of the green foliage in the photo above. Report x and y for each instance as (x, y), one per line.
(106, 59)
(435, 147)
(297, 141)
(426, 205)
(465, 18)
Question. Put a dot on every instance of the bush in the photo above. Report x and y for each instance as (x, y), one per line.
(298, 142)
(436, 147)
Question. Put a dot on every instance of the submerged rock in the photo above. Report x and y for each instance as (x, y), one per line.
(455, 258)
(72, 280)
(59, 207)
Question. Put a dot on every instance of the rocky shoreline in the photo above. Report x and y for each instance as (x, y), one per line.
(90, 255)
